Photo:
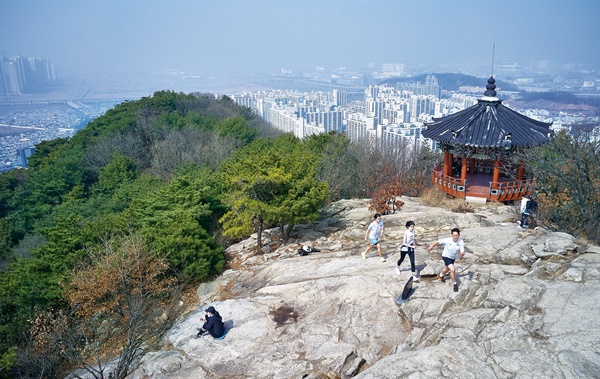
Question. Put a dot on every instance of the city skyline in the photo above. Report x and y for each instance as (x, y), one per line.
(253, 37)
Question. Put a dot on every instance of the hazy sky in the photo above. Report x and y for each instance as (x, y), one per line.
(251, 36)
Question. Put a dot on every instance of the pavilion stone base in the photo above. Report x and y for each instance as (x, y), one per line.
(476, 199)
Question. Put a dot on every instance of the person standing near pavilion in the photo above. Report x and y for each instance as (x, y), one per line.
(524, 212)
(528, 207)
(452, 248)
(374, 235)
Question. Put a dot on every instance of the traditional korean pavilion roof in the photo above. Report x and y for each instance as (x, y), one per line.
(488, 124)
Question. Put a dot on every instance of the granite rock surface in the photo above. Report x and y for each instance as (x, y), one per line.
(528, 304)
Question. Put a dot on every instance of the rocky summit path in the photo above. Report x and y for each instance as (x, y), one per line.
(528, 304)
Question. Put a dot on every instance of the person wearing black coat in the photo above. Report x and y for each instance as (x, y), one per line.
(213, 324)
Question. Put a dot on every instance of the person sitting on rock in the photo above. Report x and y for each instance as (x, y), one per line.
(213, 324)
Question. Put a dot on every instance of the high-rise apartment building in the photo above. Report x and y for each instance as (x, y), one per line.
(430, 87)
(393, 69)
(341, 98)
(23, 75)
(23, 155)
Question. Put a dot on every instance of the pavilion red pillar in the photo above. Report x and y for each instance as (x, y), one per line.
(463, 174)
(496, 177)
(520, 171)
(447, 163)
(445, 170)
(472, 166)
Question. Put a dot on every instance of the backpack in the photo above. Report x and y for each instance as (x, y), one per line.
(531, 206)
(304, 250)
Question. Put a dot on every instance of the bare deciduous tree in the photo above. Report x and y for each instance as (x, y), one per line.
(127, 144)
(386, 199)
(373, 170)
(200, 147)
(120, 304)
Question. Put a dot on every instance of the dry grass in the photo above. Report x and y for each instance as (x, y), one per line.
(434, 198)
(189, 298)
(463, 207)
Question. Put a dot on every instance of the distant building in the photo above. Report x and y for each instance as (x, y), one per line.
(430, 87)
(388, 118)
(23, 75)
(341, 98)
(23, 155)
(393, 69)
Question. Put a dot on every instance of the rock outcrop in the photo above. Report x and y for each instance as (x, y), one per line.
(528, 304)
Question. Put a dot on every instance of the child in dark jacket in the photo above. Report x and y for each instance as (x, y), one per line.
(213, 324)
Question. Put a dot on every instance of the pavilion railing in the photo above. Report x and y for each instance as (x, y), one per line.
(498, 191)
(452, 186)
(507, 191)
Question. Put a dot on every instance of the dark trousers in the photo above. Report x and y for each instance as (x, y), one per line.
(212, 333)
(411, 256)
(523, 220)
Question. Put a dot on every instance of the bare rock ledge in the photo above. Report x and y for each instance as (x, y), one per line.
(528, 304)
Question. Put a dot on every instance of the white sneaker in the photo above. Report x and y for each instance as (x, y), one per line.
(398, 269)
(382, 259)
(415, 279)
(363, 255)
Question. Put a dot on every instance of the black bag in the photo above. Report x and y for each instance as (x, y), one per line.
(531, 206)
(304, 250)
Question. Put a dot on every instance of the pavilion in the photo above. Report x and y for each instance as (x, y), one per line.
(480, 145)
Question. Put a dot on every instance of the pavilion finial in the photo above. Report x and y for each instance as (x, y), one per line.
(490, 89)
(493, 55)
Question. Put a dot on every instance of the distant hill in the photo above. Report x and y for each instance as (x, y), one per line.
(451, 82)
(559, 97)
(553, 101)
(559, 101)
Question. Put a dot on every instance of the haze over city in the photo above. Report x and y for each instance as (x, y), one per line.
(253, 37)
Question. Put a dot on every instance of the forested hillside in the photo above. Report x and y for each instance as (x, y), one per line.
(147, 171)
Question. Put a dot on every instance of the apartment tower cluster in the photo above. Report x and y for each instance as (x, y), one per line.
(390, 117)
(24, 75)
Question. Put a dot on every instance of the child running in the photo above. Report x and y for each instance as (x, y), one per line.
(373, 235)
(408, 247)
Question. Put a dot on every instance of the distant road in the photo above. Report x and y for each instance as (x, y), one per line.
(70, 102)
(22, 127)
